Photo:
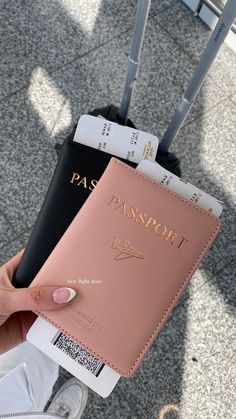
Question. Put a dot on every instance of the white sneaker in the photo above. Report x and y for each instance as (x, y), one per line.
(70, 400)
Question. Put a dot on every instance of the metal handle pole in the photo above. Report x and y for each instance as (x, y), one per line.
(217, 38)
(133, 60)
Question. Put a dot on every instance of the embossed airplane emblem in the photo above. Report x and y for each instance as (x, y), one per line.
(126, 250)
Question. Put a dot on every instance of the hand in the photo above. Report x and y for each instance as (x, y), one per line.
(15, 305)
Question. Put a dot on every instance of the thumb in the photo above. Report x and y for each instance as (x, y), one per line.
(34, 299)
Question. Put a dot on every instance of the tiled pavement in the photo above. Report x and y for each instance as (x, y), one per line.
(61, 58)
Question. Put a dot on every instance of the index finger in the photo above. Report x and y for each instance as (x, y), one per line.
(11, 265)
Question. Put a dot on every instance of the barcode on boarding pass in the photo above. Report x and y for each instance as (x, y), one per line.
(78, 353)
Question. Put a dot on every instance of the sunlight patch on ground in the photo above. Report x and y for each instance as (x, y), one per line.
(52, 107)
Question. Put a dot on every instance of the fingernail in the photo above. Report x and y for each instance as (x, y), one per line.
(63, 295)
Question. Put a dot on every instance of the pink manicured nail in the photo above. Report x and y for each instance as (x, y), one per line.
(63, 295)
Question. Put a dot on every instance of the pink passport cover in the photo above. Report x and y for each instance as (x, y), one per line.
(143, 243)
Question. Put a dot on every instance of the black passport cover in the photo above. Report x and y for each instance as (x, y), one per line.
(78, 169)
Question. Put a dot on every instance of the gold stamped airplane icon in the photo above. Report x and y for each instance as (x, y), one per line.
(125, 249)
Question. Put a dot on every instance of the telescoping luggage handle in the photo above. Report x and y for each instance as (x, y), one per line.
(216, 39)
(133, 60)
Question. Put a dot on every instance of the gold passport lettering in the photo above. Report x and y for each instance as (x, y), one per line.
(82, 181)
(149, 223)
